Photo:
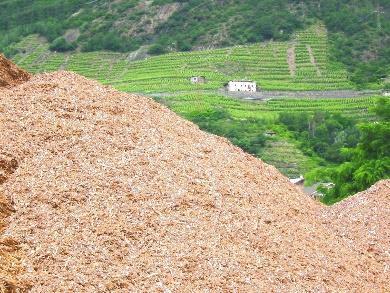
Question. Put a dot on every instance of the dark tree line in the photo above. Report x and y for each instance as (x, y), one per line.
(363, 160)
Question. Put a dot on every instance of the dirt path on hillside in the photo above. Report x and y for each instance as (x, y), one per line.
(266, 95)
(291, 60)
(313, 60)
(64, 64)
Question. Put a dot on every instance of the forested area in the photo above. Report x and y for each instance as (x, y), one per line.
(352, 154)
(248, 134)
(356, 154)
(364, 164)
(359, 30)
(322, 133)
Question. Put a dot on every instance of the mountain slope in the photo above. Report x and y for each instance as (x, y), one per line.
(269, 64)
(359, 29)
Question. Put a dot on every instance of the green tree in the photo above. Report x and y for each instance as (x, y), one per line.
(367, 163)
(61, 45)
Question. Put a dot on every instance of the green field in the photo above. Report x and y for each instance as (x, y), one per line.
(309, 68)
(268, 110)
(300, 64)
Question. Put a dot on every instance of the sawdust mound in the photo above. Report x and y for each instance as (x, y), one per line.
(10, 256)
(10, 74)
(115, 192)
(364, 221)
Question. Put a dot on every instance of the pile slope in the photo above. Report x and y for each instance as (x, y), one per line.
(364, 221)
(115, 192)
(10, 74)
(10, 256)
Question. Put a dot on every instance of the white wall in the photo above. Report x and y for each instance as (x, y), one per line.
(198, 79)
(241, 86)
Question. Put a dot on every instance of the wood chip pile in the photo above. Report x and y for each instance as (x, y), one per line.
(114, 192)
(364, 221)
(10, 255)
(10, 74)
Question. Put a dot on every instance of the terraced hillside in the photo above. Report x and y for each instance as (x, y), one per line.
(200, 102)
(301, 64)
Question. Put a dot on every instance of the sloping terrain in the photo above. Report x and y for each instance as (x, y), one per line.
(125, 25)
(358, 29)
(10, 74)
(10, 256)
(115, 192)
(364, 221)
(167, 75)
(266, 63)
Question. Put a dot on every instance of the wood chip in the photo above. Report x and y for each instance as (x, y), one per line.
(10, 74)
(114, 192)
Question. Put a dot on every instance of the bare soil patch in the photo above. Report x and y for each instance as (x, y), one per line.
(313, 60)
(291, 60)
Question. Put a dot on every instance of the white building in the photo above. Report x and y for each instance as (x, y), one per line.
(298, 181)
(198, 79)
(242, 86)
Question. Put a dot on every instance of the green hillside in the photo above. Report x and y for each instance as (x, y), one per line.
(300, 64)
(358, 30)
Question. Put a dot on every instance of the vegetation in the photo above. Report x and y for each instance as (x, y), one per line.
(62, 45)
(358, 29)
(266, 63)
(248, 134)
(324, 133)
(364, 164)
(359, 33)
(247, 125)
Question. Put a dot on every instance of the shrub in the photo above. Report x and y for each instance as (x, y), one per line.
(156, 49)
(61, 45)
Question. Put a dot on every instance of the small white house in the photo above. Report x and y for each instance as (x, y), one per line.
(298, 181)
(242, 86)
(198, 79)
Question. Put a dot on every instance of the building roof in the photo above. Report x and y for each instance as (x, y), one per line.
(297, 180)
(241, 81)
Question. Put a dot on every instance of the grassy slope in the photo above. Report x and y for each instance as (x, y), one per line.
(358, 30)
(168, 76)
(266, 63)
